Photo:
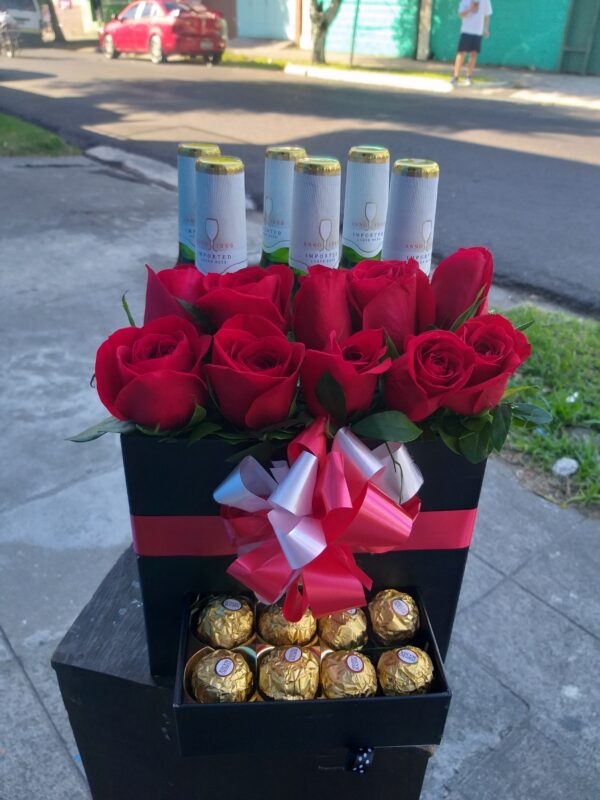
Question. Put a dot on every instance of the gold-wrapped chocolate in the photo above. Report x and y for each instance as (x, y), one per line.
(289, 673)
(348, 675)
(394, 616)
(345, 630)
(221, 676)
(404, 670)
(274, 628)
(226, 622)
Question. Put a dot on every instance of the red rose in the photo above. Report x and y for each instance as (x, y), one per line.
(499, 350)
(457, 281)
(266, 292)
(434, 367)
(355, 364)
(321, 306)
(152, 375)
(254, 371)
(393, 295)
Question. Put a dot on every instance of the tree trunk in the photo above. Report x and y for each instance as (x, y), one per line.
(56, 29)
(320, 22)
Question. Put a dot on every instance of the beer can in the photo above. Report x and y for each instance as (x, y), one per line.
(411, 211)
(221, 244)
(187, 153)
(365, 203)
(277, 203)
(315, 234)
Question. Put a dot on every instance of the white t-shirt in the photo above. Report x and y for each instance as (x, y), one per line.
(473, 22)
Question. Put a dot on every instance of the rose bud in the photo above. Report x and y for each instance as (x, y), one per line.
(456, 282)
(499, 350)
(393, 295)
(355, 364)
(153, 375)
(164, 289)
(321, 306)
(436, 364)
(253, 371)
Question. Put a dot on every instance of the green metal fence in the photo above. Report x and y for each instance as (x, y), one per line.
(384, 28)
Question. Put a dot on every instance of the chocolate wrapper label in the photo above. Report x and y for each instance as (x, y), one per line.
(400, 607)
(408, 656)
(231, 604)
(355, 663)
(292, 654)
(224, 667)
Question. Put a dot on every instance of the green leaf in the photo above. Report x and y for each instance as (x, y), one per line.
(195, 313)
(476, 446)
(531, 414)
(516, 390)
(331, 396)
(525, 325)
(392, 350)
(387, 426)
(477, 423)
(451, 442)
(197, 417)
(471, 310)
(501, 419)
(203, 430)
(125, 305)
(109, 425)
(262, 451)
(155, 431)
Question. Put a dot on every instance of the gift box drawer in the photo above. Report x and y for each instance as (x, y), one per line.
(320, 724)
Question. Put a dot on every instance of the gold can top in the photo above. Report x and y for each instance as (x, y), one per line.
(220, 165)
(416, 168)
(318, 165)
(285, 153)
(198, 149)
(369, 153)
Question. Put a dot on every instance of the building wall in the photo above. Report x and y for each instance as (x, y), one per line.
(385, 28)
(523, 33)
(266, 19)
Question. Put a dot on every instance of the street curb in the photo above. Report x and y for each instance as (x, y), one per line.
(357, 76)
(151, 169)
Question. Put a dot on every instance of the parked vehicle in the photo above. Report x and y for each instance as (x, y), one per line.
(163, 28)
(26, 19)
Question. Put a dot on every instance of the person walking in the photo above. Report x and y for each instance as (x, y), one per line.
(475, 16)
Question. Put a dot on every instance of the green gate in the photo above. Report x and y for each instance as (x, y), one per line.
(581, 45)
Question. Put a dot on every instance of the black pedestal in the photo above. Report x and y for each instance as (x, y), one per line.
(124, 725)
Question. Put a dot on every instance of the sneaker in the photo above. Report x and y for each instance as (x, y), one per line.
(467, 82)
(454, 82)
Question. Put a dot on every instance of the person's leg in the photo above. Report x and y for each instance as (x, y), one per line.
(471, 64)
(458, 63)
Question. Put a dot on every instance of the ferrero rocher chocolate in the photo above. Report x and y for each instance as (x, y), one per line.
(289, 673)
(226, 622)
(274, 628)
(348, 674)
(221, 676)
(345, 630)
(394, 616)
(404, 670)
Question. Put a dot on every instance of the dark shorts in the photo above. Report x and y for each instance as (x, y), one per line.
(469, 43)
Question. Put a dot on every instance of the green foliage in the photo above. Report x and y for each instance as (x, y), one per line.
(18, 138)
(387, 426)
(331, 396)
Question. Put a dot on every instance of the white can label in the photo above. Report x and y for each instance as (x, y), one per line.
(220, 222)
(292, 654)
(315, 236)
(408, 656)
(186, 182)
(411, 220)
(400, 607)
(277, 210)
(355, 663)
(231, 604)
(365, 207)
(224, 667)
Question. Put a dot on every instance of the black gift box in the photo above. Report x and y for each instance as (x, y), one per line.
(175, 478)
(350, 723)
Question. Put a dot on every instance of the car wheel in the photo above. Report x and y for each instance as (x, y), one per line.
(156, 52)
(216, 58)
(108, 47)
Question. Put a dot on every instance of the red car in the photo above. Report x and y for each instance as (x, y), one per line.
(163, 28)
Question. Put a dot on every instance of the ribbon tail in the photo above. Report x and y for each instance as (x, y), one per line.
(264, 570)
(295, 603)
(333, 582)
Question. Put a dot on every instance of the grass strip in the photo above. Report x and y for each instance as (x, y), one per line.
(564, 368)
(18, 138)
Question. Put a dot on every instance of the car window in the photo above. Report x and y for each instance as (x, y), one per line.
(130, 12)
(155, 10)
(170, 6)
(17, 5)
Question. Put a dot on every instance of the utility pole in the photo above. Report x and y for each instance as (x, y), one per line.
(354, 30)
(424, 32)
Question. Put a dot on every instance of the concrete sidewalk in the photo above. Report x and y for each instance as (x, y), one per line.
(524, 721)
(501, 83)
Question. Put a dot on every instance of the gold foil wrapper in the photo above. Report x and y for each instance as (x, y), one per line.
(394, 616)
(226, 622)
(404, 670)
(416, 168)
(285, 153)
(219, 165)
(198, 149)
(371, 153)
(221, 676)
(318, 165)
(274, 628)
(289, 673)
(348, 674)
(345, 630)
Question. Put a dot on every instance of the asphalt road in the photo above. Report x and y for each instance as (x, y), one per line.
(523, 180)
